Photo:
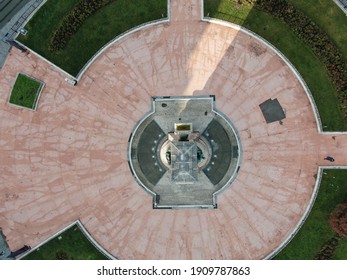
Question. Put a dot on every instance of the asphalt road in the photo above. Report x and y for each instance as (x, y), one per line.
(8, 8)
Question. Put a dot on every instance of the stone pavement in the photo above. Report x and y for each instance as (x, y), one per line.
(68, 160)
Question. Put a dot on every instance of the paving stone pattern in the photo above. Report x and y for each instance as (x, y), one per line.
(68, 160)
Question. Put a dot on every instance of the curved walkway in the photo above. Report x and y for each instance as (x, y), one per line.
(68, 160)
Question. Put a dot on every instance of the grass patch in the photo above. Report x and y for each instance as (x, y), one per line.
(300, 55)
(70, 245)
(100, 28)
(25, 91)
(341, 251)
(317, 231)
(329, 17)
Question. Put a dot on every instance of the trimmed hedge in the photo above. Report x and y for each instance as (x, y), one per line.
(315, 37)
(72, 22)
(327, 252)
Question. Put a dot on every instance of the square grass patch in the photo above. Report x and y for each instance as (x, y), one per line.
(26, 92)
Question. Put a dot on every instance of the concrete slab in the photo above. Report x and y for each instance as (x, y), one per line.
(272, 110)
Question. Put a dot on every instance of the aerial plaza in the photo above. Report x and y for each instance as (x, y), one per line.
(186, 138)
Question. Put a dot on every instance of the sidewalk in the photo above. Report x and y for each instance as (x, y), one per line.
(9, 8)
(6, 33)
(342, 5)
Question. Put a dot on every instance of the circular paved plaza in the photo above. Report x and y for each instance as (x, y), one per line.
(68, 160)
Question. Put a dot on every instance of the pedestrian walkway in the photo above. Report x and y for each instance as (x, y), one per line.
(8, 8)
(13, 14)
(342, 4)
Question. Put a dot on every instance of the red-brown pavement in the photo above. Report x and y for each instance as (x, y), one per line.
(68, 160)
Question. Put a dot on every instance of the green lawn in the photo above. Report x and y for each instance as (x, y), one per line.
(70, 245)
(300, 55)
(25, 91)
(108, 22)
(329, 17)
(316, 231)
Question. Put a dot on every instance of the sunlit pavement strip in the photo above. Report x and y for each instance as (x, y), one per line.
(68, 160)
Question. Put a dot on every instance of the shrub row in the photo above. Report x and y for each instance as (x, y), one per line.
(329, 248)
(321, 44)
(72, 22)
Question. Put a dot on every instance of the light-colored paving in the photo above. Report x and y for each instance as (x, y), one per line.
(9, 8)
(342, 5)
(13, 14)
(68, 160)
